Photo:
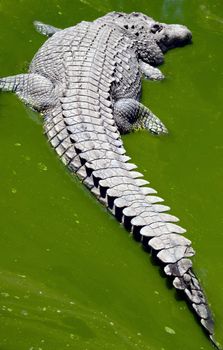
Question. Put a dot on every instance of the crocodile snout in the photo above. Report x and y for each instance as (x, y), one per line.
(173, 35)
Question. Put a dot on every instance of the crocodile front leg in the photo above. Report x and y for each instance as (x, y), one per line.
(132, 115)
(150, 72)
(45, 29)
(35, 90)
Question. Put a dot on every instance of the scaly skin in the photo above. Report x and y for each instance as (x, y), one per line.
(86, 81)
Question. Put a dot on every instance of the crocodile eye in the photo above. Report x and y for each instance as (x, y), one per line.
(156, 28)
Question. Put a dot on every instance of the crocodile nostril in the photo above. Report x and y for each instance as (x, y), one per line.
(189, 36)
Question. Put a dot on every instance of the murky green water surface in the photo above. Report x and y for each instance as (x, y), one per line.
(70, 276)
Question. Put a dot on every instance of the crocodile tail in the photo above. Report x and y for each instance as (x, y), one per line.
(92, 148)
(189, 284)
(139, 210)
(142, 214)
(166, 242)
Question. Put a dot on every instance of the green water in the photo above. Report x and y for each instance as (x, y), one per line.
(70, 276)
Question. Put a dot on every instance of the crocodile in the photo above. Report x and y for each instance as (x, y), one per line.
(86, 82)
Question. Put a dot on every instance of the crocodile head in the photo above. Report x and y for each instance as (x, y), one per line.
(152, 38)
(169, 36)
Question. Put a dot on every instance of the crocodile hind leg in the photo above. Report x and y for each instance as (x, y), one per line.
(45, 29)
(132, 115)
(35, 90)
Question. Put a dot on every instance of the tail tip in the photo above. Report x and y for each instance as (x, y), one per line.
(214, 342)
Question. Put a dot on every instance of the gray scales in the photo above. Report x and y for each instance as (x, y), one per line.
(86, 81)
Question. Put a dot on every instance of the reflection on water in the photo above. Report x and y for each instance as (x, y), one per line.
(173, 9)
(211, 15)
